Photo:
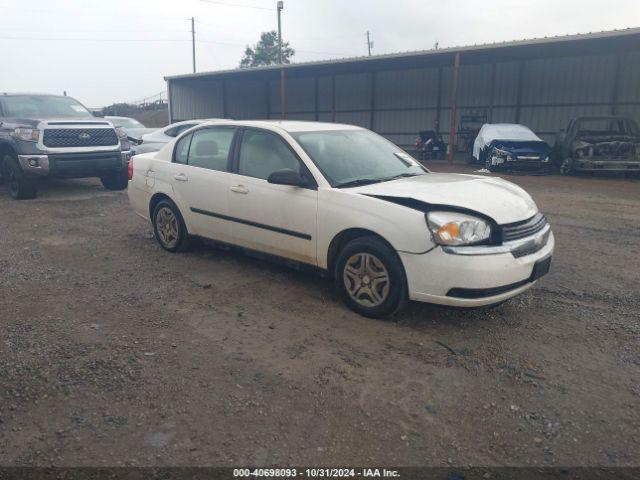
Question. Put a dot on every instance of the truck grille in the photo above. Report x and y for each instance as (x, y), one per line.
(79, 137)
(526, 228)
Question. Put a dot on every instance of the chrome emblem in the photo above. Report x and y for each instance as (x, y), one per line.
(84, 136)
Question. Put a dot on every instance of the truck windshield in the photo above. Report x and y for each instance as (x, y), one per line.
(41, 106)
(357, 157)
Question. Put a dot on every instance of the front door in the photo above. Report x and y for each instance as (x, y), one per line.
(276, 219)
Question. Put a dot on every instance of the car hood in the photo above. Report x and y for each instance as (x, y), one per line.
(137, 133)
(34, 122)
(503, 201)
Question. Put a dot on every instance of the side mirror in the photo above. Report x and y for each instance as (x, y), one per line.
(286, 176)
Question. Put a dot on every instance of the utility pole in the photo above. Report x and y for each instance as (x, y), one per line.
(193, 43)
(369, 42)
(283, 114)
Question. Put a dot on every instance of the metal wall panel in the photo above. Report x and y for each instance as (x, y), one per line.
(353, 91)
(246, 99)
(474, 85)
(325, 95)
(584, 79)
(196, 100)
(404, 121)
(550, 119)
(505, 87)
(629, 82)
(300, 95)
(632, 111)
(361, 119)
(406, 88)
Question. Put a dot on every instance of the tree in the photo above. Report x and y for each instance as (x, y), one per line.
(265, 52)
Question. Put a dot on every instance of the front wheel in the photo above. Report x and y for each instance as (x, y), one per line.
(370, 277)
(117, 181)
(21, 187)
(566, 167)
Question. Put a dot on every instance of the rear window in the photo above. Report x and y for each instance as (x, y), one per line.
(42, 106)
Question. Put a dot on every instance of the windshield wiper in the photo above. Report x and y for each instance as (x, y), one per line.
(368, 181)
(359, 181)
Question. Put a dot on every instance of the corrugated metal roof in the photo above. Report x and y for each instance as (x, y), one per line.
(422, 53)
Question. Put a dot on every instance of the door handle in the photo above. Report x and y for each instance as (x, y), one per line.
(240, 189)
(181, 177)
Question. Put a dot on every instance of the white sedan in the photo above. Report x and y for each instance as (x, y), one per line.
(350, 203)
(154, 141)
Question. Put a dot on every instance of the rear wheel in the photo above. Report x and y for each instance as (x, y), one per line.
(370, 277)
(21, 187)
(117, 181)
(169, 227)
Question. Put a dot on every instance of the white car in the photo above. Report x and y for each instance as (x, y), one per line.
(154, 141)
(350, 203)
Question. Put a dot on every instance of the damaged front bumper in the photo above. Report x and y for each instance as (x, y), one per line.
(606, 165)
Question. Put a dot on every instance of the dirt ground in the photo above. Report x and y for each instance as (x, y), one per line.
(113, 352)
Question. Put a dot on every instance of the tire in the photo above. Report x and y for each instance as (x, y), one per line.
(21, 187)
(359, 261)
(566, 166)
(118, 181)
(169, 228)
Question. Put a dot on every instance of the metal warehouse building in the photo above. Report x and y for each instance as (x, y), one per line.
(541, 83)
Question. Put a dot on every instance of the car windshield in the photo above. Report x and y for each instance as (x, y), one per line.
(605, 126)
(41, 106)
(126, 122)
(354, 157)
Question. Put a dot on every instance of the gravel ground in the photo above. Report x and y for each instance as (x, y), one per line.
(113, 352)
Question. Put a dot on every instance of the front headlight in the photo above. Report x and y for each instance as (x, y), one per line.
(122, 134)
(27, 134)
(451, 228)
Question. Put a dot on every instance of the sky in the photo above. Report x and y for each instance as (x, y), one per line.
(102, 52)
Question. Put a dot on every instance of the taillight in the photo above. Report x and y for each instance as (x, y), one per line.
(130, 168)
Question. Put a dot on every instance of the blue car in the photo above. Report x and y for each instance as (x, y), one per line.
(509, 146)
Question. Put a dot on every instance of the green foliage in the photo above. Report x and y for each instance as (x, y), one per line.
(265, 52)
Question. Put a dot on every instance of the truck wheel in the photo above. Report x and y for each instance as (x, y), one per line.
(21, 187)
(118, 181)
(566, 167)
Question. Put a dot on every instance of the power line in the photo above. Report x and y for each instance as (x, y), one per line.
(237, 5)
(97, 39)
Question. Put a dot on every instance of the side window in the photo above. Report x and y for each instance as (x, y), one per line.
(210, 148)
(182, 149)
(262, 153)
(175, 131)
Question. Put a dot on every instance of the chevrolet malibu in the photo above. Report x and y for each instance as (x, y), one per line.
(349, 203)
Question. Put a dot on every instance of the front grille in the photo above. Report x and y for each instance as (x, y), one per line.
(526, 228)
(79, 137)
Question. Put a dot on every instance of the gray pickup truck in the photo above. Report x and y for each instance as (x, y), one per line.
(56, 136)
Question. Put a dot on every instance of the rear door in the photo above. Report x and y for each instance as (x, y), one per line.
(200, 179)
(276, 219)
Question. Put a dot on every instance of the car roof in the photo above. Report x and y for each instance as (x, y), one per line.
(290, 126)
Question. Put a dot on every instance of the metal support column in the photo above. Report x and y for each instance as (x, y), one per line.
(316, 100)
(616, 84)
(224, 98)
(454, 98)
(372, 100)
(333, 98)
(519, 94)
